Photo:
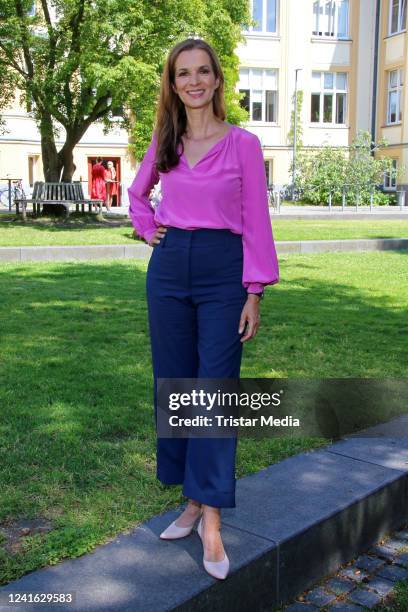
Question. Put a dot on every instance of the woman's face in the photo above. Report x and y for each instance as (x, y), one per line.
(194, 78)
(110, 165)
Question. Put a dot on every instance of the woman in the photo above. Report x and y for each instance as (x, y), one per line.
(111, 184)
(98, 181)
(213, 254)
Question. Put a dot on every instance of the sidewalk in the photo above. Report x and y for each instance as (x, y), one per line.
(295, 522)
(287, 211)
(296, 212)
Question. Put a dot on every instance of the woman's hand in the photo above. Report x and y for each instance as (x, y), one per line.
(161, 230)
(250, 314)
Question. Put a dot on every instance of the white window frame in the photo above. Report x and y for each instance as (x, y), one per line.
(390, 181)
(263, 89)
(33, 160)
(401, 27)
(269, 168)
(334, 91)
(263, 31)
(398, 90)
(334, 9)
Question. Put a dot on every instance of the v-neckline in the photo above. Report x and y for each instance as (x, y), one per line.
(191, 168)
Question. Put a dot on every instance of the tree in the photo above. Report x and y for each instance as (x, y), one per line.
(75, 61)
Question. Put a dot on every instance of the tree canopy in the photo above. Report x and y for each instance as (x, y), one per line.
(75, 62)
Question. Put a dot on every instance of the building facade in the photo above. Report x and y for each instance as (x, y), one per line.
(348, 57)
(20, 152)
(330, 46)
(391, 118)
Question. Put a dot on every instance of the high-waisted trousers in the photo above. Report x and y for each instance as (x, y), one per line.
(195, 298)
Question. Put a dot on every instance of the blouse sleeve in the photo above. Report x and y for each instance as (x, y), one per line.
(260, 266)
(141, 212)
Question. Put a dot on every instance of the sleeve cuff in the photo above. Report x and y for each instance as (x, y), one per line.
(255, 288)
(148, 234)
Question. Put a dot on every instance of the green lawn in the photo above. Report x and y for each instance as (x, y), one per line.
(85, 230)
(77, 445)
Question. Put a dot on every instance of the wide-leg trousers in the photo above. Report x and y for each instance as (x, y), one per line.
(195, 298)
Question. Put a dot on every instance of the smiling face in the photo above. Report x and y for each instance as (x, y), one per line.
(194, 79)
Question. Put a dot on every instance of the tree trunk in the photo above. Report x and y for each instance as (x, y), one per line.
(51, 167)
(55, 163)
(66, 159)
(51, 162)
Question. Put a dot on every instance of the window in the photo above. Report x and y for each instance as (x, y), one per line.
(330, 18)
(33, 162)
(260, 87)
(264, 12)
(398, 15)
(390, 178)
(394, 103)
(269, 171)
(329, 98)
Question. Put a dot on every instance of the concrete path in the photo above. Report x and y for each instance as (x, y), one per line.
(336, 212)
(143, 251)
(295, 522)
(350, 212)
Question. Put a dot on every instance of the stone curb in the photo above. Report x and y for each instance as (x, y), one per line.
(295, 522)
(362, 244)
(74, 253)
(143, 251)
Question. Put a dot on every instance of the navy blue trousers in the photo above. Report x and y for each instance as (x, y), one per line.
(195, 298)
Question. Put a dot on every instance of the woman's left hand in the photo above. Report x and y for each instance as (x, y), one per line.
(250, 315)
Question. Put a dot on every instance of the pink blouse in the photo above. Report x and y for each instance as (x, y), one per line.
(226, 188)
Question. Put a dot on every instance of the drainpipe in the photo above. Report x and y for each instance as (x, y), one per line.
(375, 72)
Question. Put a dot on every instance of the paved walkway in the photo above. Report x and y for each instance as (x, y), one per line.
(336, 212)
(301, 212)
(367, 582)
(295, 522)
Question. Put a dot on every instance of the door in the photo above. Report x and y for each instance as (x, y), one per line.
(116, 199)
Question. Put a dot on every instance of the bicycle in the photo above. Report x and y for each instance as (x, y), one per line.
(17, 192)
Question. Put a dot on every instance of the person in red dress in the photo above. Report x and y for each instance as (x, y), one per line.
(98, 181)
(111, 184)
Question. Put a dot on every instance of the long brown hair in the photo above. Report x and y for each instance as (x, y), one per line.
(171, 118)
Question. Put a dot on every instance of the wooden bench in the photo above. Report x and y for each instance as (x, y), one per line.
(66, 194)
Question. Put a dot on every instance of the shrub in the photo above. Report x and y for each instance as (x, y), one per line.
(353, 171)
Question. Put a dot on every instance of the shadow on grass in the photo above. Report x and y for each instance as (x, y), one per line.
(76, 222)
(77, 425)
(77, 335)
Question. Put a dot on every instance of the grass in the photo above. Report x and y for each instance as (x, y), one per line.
(77, 445)
(333, 229)
(86, 230)
(398, 602)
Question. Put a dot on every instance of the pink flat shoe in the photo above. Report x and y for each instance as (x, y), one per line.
(217, 569)
(174, 532)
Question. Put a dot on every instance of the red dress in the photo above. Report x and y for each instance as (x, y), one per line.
(98, 182)
(112, 188)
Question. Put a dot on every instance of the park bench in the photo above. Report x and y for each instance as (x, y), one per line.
(66, 194)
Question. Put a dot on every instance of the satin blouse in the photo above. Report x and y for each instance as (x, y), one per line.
(226, 188)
